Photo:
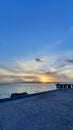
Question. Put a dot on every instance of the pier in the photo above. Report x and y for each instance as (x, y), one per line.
(52, 110)
(64, 85)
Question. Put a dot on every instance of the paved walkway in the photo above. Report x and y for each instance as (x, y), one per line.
(49, 111)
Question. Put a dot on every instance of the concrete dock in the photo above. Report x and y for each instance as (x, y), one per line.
(51, 110)
(64, 85)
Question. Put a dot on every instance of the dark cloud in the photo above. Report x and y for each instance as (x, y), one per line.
(69, 61)
(51, 73)
(38, 60)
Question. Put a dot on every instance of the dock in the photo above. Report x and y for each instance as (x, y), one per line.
(52, 110)
(64, 85)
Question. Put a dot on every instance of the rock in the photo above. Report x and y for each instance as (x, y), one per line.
(18, 95)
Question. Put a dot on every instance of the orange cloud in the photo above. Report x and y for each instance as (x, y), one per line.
(46, 78)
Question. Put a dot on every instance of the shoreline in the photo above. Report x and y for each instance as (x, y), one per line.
(24, 96)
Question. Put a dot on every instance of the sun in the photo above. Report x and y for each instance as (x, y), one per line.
(43, 79)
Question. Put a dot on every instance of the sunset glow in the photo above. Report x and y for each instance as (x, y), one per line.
(43, 78)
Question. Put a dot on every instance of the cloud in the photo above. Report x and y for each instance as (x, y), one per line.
(57, 77)
(39, 60)
(69, 60)
(4, 72)
(55, 68)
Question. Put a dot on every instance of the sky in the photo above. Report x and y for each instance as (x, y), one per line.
(36, 40)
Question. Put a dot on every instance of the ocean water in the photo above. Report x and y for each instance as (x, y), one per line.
(7, 90)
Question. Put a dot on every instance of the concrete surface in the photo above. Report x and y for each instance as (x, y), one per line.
(48, 111)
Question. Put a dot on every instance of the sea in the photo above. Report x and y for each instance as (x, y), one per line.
(7, 89)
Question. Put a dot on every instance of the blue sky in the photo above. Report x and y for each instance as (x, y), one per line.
(30, 29)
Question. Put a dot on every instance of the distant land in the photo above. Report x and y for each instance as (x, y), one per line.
(7, 83)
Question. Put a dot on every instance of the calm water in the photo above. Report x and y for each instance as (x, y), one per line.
(7, 90)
